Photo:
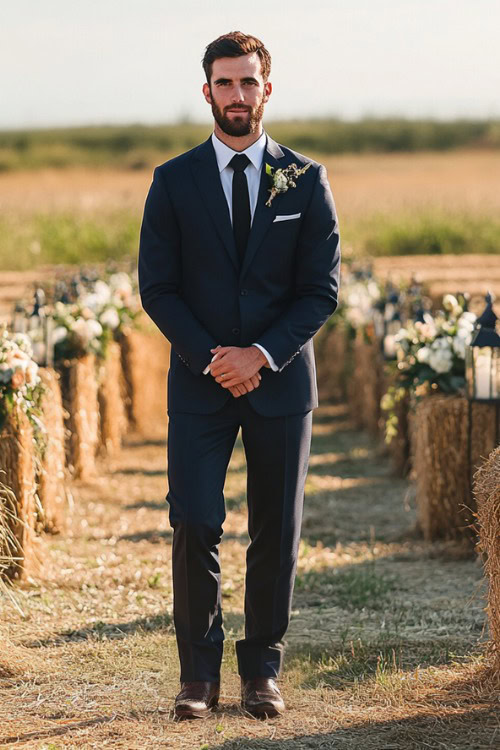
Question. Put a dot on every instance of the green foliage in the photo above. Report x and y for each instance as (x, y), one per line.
(389, 403)
(154, 580)
(49, 238)
(424, 233)
(139, 146)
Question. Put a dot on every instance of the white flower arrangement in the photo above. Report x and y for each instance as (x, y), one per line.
(431, 357)
(98, 315)
(20, 382)
(360, 296)
(77, 331)
(432, 352)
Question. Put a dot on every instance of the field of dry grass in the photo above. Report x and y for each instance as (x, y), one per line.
(386, 649)
(362, 183)
(388, 204)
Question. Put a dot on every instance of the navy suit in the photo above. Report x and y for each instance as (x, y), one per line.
(193, 288)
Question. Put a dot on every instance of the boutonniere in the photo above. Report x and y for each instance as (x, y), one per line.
(282, 179)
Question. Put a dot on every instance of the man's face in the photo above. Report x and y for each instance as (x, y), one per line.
(237, 94)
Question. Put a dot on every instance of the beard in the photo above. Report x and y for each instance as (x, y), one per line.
(245, 124)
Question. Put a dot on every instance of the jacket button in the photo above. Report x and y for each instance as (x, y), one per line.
(244, 292)
(235, 331)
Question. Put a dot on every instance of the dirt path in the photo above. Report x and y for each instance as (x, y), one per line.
(385, 645)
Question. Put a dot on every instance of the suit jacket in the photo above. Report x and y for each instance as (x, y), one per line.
(193, 289)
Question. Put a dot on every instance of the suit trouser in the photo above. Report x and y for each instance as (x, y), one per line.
(277, 453)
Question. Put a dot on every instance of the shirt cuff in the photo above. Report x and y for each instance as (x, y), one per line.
(207, 368)
(269, 358)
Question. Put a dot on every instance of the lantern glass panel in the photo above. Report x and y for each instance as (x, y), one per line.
(378, 323)
(392, 328)
(483, 373)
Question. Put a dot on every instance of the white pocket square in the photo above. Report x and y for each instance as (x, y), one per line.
(286, 217)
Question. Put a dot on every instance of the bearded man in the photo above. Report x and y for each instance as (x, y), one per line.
(239, 268)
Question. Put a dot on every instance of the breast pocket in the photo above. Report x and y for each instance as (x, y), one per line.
(286, 217)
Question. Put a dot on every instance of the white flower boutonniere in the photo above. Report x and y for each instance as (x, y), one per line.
(282, 179)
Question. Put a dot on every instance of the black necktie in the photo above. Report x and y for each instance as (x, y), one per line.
(241, 204)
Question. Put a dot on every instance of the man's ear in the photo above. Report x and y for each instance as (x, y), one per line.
(268, 88)
(206, 93)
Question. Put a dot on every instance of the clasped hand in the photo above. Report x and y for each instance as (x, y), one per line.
(237, 368)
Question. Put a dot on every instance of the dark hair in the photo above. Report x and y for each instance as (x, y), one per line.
(236, 44)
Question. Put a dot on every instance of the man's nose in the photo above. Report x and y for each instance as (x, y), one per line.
(237, 94)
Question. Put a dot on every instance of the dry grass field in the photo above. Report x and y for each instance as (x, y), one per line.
(388, 205)
(362, 184)
(385, 648)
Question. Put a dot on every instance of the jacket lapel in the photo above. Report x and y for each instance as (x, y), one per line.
(264, 215)
(207, 178)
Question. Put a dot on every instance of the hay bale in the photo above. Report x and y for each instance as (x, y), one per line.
(331, 346)
(112, 416)
(52, 477)
(366, 384)
(451, 438)
(487, 493)
(79, 392)
(484, 433)
(487, 480)
(18, 547)
(441, 467)
(399, 448)
(145, 359)
(355, 387)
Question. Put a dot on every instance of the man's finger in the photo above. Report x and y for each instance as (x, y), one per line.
(228, 382)
(227, 371)
(221, 361)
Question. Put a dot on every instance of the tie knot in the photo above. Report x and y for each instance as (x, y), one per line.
(239, 162)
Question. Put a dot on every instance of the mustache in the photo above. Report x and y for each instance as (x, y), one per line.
(241, 108)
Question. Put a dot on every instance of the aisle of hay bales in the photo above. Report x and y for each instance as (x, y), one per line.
(385, 645)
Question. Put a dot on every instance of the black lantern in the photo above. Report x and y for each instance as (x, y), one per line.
(392, 325)
(40, 327)
(19, 319)
(48, 329)
(482, 359)
(378, 319)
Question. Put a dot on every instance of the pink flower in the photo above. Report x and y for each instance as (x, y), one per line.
(18, 379)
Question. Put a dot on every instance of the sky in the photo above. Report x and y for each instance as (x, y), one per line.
(139, 61)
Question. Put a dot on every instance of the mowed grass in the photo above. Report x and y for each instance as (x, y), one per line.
(388, 204)
(386, 646)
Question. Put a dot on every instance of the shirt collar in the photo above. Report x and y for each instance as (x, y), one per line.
(255, 152)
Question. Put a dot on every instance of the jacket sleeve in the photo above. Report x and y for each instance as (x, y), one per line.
(316, 278)
(159, 270)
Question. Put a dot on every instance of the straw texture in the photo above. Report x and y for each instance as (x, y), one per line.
(52, 477)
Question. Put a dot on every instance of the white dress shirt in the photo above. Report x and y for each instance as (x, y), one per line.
(255, 154)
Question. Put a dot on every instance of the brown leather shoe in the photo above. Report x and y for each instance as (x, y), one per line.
(196, 700)
(261, 697)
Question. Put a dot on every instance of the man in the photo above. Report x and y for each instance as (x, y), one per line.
(239, 286)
